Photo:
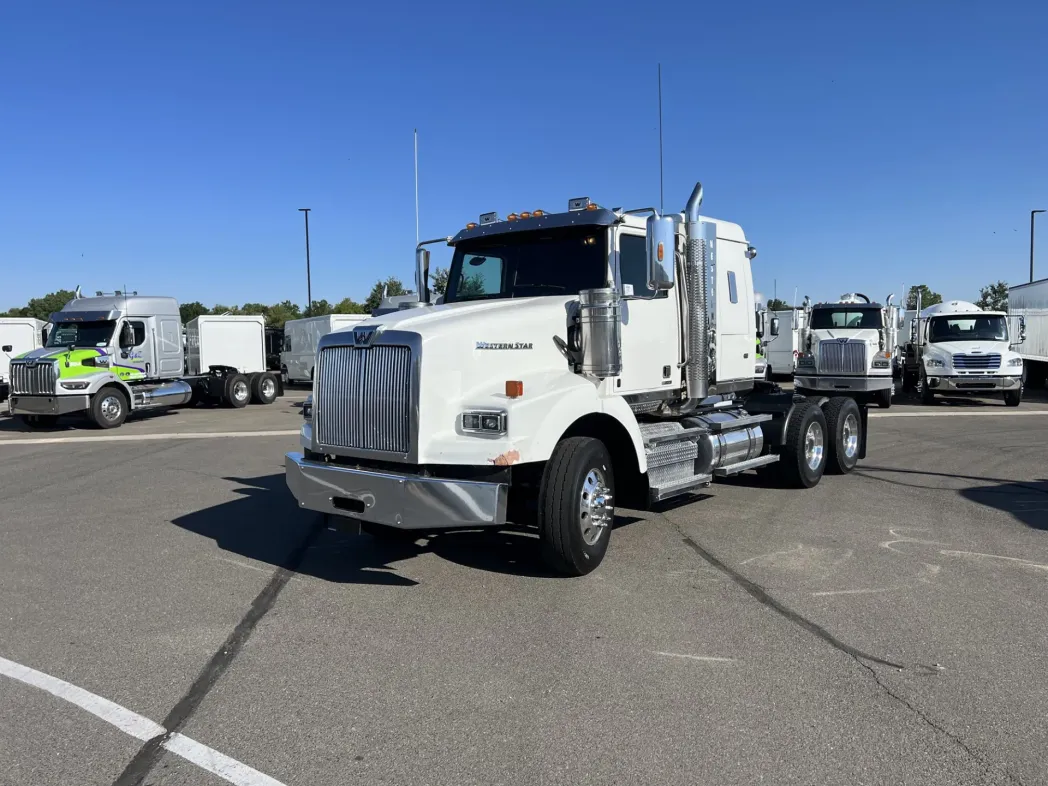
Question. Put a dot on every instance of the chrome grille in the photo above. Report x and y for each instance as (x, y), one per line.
(37, 379)
(363, 399)
(978, 362)
(836, 357)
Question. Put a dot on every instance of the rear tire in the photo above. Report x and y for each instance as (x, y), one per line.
(108, 408)
(1012, 398)
(237, 391)
(576, 509)
(804, 447)
(264, 388)
(927, 395)
(844, 427)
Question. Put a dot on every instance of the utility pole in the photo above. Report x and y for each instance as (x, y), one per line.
(309, 285)
(1033, 213)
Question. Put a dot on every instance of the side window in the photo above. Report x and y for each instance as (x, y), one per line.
(733, 292)
(140, 332)
(481, 275)
(633, 265)
(287, 343)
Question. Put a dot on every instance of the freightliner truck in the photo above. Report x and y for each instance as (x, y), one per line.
(109, 355)
(849, 349)
(580, 360)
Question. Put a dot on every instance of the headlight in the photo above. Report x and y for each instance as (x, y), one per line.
(484, 422)
(934, 363)
(881, 363)
(806, 360)
(74, 385)
(1015, 362)
(307, 407)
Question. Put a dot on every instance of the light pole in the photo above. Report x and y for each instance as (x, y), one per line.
(309, 285)
(1033, 213)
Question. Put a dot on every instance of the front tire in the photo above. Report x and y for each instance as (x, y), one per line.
(108, 408)
(804, 447)
(844, 426)
(927, 395)
(884, 397)
(576, 509)
(237, 391)
(1012, 398)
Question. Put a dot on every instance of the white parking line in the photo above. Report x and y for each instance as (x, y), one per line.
(140, 727)
(147, 437)
(704, 658)
(959, 413)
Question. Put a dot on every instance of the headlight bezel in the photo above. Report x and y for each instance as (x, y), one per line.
(484, 422)
(307, 408)
(73, 384)
(934, 363)
(1015, 362)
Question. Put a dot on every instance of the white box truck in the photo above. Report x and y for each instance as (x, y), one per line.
(580, 360)
(1029, 303)
(782, 351)
(301, 337)
(17, 336)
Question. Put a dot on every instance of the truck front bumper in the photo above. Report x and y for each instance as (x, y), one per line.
(397, 500)
(48, 405)
(974, 383)
(843, 384)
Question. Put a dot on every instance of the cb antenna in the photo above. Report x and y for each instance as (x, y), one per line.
(661, 190)
(416, 187)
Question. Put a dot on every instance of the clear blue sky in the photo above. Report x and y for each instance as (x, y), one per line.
(167, 146)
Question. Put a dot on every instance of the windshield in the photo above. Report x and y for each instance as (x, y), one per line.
(529, 264)
(845, 317)
(976, 328)
(81, 334)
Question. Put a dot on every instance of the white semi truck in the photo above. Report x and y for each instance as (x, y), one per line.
(17, 335)
(849, 349)
(109, 355)
(580, 360)
(783, 349)
(301, 337)
(957, 348)
(1029, 303)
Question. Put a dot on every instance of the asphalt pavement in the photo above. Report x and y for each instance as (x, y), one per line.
(884, 627)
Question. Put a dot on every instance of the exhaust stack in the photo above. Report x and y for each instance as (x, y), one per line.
(697, 371)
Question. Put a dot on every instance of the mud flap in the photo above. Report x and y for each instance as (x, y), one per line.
(864, 416)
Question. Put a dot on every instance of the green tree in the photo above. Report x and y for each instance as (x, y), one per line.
(279, 313)
(777, 304)
(220, 309)
(43, 307)
(393, 287)
(319, 308)
(928, 298)
(470, 286)
(440, 280)
(994, 297)
(348, 306)
(190, 311)
(255, 309)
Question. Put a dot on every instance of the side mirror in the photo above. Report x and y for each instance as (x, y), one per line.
(1022, 329)
(422, 274)
(775, 326)
(662, 252)
(6, 348)
(913, 331)
(127, 336)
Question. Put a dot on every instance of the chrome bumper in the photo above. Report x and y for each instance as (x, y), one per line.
(847, 384)
(48, 405)
(974, 384)
(402, 501)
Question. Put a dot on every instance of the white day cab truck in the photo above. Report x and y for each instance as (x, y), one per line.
(580, 360)
(17, 336)
(1028, 303)
(956, 348)
(111, 355)
(849, 349)
(783, 350)
(301, 337)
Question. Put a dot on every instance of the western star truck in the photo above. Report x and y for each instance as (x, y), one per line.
(1029, 303)
(849, 349)
(17, 336)
(110, 355)
(957, 348)
(580, 360)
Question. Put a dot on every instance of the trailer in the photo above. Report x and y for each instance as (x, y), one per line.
(1029, 302)
(110, 355)
(301, 337)
(17, 336)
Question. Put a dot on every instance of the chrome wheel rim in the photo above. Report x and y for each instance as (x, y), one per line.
(596, 511)
(813, 445)
(240, 391)
(269, 388)
(850, 436)
(111, 408)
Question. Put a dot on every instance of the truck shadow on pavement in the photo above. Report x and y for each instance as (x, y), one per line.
(1026, 501)
(265, 524)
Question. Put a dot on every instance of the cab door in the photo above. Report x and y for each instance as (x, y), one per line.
(736, 333)
(650, 328)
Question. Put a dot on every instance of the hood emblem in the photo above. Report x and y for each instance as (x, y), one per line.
(362, 337)
(842, 341)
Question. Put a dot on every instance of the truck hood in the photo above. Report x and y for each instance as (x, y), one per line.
(869, 335)
(480, 316)
(970, 348)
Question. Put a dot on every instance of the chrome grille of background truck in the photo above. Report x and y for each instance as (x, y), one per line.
(33, 379)
(362, 399)
(837, 357)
